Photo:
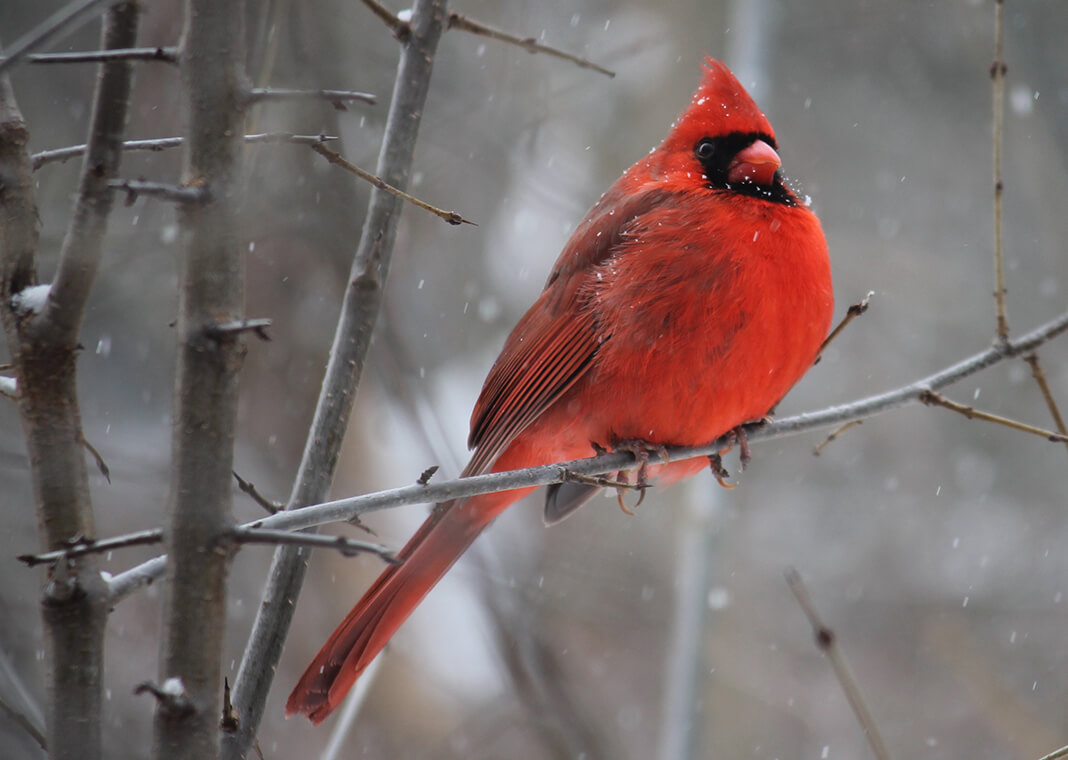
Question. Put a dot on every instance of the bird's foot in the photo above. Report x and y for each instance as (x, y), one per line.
(641, 451)
(719, 472)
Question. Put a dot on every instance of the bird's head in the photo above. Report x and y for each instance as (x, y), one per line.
(724, 141)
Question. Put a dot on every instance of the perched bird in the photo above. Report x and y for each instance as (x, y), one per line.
(690, 299)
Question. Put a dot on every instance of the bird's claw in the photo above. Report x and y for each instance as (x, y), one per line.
(641, 451)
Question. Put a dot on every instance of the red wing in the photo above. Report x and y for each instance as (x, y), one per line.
(543, 357)
(556, 340)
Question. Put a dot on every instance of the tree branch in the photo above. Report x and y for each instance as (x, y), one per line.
(933, 399)
(402, 30)
(82, 245)
(997, 74)
(163, 54)
(54, 28)
(342, 510)
(333, 157)
(337, 98)
(43, 341)
(827, 642)
(164, 143)
(206, 388)
(1043, 385)
(80, 546)
(182, 194)
(347, 546)
(359, 312)
(531, 45)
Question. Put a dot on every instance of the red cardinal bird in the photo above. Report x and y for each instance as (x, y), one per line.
(690, 299)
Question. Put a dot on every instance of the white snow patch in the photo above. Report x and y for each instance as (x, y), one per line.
(405, 15)
(32, 299)
(8, 386)
(173, 686)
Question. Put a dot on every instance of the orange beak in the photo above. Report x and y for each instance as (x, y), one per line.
(756, 164)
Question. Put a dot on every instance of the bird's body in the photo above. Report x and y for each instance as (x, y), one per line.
(695, 293)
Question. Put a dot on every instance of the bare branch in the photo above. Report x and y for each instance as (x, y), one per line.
(531, 45)
(818, 448)
(248, 488)
(359, 312)
(337, 98)
(1056, 755)
(134, 188)
(165, 143)
(162, 54)
(402, 30)
(854, 311)
(827, 642)
(54, 28)
(347, 546)
(933, 399)
(336, 158)
(1040, 377)
(25, 724)
(101, 465)
(342, 510)
(81, 546)
(997, 74)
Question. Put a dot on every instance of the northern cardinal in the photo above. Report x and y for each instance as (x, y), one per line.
(690, 299)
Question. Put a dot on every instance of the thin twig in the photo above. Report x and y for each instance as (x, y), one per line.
(134, 188)
(24, 723)
(1056, 754)
(250, 490)
(337, 98)
(162, 54)
(819, 447)
(402, 30)
(1040, 377)
(347, 546)
(933, 399)
(827, 642)
(854, 311)
(100, 463)
(164, 143)
(531, 45)
(998, 70)
(343, 510)
(333, 157)
(84, 546)
(55, 27)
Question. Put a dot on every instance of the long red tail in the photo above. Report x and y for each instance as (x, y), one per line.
(438, 543)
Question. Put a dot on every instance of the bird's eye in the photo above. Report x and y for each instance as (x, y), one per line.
(705, 149)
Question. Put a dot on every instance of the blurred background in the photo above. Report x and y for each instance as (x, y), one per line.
(932, 544)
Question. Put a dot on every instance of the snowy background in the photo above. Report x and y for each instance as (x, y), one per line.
(933, 545)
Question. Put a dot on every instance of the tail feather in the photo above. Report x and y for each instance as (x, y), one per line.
(438, 543)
